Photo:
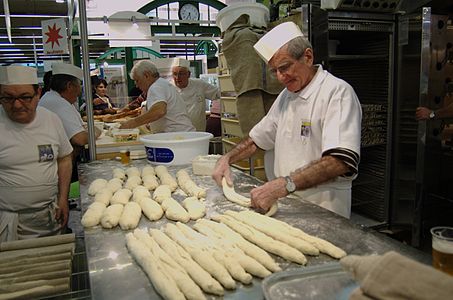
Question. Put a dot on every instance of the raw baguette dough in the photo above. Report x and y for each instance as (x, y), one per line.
(264, 241)
(119, 173)
(174, 211)
(224, 258)
(96, 186)
(151, 209)
(131, 216)
(111, 216)
(249, 264)
(163, 283)
(202, 256)
(148, 170)
(323, 245)
(150, 182)
(93, 215)
(140, 192)
(194, 207)
(166, 178)
(253, 221)
(115, 184)
(185, 284)
(188, 186)
(182, 257)
(103, 196)
(249, 248)
(132, 182)
(232, 196)
(132, 171)
(121, 196)
(161, 193)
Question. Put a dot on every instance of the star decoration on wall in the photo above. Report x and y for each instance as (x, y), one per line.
(53, 35)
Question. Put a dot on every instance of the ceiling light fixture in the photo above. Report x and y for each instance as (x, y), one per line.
(60, 1)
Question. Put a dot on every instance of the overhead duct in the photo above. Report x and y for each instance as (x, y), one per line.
(376, 6)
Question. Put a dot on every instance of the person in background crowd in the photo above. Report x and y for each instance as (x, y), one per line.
(165, 110)
(213, 123)
(65, 88)
(314, 126)
(194, 92)
(46, 82)
(101, 101)
(35, 160)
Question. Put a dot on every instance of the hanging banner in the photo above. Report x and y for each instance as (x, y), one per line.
(54, 37)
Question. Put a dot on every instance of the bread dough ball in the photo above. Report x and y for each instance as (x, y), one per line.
(96, 186)
(122, 196)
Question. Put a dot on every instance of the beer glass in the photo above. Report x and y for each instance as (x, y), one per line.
(125, 156)
(442, 243)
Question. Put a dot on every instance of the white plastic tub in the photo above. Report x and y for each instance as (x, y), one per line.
(175, 148)
(259, 14)
(204, 164)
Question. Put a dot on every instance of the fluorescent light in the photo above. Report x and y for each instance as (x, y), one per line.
(60, 1)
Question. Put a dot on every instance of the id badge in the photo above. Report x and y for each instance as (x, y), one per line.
(305, 128)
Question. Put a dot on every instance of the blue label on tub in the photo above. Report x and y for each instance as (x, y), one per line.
(162, 155)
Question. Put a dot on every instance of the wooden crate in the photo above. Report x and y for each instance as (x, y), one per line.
(231, 127)
(222, 65)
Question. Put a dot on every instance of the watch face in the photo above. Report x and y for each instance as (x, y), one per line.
(290, 185)
(189, 11)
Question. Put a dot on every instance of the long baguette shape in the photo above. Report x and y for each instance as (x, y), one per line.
(202, 256)
(249, 248)
(301, 245)
(264, 241)
(163, 283)
(196, 272)
(323, 245)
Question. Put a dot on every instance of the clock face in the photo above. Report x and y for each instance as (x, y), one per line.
(189, 11)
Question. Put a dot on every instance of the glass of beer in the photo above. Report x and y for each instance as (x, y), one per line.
(125, 156)
(443, 248)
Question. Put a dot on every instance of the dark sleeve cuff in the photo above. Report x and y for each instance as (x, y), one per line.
(349, 157)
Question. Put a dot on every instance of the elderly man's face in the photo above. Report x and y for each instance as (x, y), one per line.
(181, 76)
(19, 102)
(295, 74)
(143, 82)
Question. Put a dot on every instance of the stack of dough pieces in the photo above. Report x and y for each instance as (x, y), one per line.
(166, 178)
(188, 186)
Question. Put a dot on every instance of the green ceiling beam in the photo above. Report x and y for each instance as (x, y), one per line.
(186, 29)
(157, 3)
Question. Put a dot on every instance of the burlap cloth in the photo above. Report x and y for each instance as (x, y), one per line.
(392, 276)
(255, 87)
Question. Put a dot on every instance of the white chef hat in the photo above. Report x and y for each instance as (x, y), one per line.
(68, 69)
(269, 44)
(12, 75)
(180, 62)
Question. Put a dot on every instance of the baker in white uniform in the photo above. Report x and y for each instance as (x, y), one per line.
(165, 109)
(35, 160)
(314, 127)
(65, 88)
(193, 91)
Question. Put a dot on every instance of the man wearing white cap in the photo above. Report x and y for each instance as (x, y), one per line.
(194, 92)
(166, 111)
(314, 127)
(65, 88)
(35, 160)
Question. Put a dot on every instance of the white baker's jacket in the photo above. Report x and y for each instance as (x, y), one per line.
(194, 96)
(301, 127)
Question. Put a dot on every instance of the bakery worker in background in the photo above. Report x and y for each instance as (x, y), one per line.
(193, 91)
(165, 109)
(35, 160)
(314, 126)
(65, 88)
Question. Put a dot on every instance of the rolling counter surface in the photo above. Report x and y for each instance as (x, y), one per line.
(115, 275)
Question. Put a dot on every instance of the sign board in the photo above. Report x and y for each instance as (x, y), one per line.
(54, 37)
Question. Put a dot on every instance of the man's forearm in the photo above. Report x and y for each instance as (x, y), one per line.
(319, 172)
(64, 176)
(243, 150)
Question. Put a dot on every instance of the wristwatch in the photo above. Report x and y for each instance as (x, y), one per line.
(290, 185)
(432, 114)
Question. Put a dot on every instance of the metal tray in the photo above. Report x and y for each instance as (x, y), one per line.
(324, 282)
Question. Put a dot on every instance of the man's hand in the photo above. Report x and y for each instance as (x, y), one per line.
(62, 212)
(222, 169)
(263, 197)
(422, 113)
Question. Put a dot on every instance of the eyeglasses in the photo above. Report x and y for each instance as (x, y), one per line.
(180, 74)
(283, 68)
(9, 100)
